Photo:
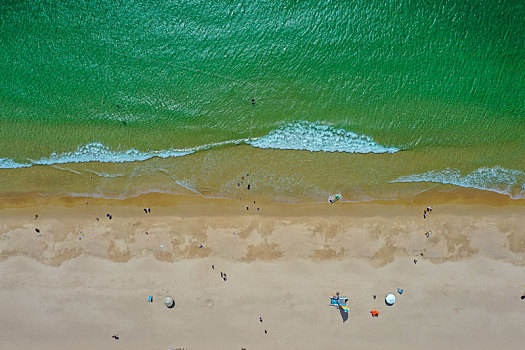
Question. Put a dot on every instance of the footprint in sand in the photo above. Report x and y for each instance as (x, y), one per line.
(209, 302)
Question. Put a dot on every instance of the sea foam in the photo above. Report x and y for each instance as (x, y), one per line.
(300, 135)
(97, 152)
(7, 163)
(316, 137)
(495, 179)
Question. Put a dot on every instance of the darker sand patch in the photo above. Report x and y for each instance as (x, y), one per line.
(57, 259)
(457, 243)
(386, 254)
(263, 227)
(64, 254)
(6, 253)
(164, 255)
(327, 230)
(386, 231)
(328, 253)
(263, 251)
(516, 241)
(117, 254)
(195, 252)
(190, 247)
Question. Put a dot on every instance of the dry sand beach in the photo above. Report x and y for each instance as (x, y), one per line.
(282, 263)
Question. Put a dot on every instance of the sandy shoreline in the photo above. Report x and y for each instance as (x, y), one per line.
(282, 262)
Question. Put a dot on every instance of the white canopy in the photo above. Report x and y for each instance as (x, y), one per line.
(168, 302)
(390, 299)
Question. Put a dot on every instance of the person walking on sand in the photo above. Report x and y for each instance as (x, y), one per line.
(260, 319)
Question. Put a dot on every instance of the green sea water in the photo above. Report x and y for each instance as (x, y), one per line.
(442, 82)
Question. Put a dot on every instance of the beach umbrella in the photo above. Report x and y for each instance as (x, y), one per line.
(168, 302)
(390, 299)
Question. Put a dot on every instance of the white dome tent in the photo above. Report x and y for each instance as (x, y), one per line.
(169, 302)
(390, 299)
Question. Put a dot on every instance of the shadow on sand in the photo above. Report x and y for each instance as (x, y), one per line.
(344, 315)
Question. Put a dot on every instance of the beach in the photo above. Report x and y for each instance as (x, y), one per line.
(282, 262)
(189, 150)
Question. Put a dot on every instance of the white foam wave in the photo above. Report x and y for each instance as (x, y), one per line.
(8, 163)
(495, 179)
(97, 152)
(295, 136)
(316, 137)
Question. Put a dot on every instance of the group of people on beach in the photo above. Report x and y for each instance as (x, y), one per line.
(223, 274)
(247, 187)
(426, 211)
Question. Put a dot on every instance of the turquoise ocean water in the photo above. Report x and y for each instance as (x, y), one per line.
(373, 99)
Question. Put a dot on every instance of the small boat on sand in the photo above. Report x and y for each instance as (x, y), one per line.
(334, 198)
